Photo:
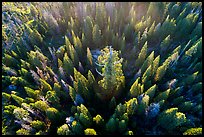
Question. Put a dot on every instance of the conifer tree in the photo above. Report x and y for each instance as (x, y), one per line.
(31, 93)
(162, 96)
(156, 8)
(90, 131)
(96, 35)
(64, 130)
(18, 99)
(170, 119)
(88, 28)
(151, 91)
(142, 55)
(193, 131)
(113, 79)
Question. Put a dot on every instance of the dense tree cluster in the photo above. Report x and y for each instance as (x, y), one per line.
(101, 68)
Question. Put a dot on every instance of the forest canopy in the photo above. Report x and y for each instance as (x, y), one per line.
(101, 68)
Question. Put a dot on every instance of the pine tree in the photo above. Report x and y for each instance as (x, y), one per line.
(10, 61)
(89, 58)
(190, 79)
(18, 99)
(151, 91)
(64, 130)
(52, 97)
(178, 100)
(88, 28)
(20, 113)
(113, 79)
(98, 120)
(175, 10)
(68, 65)
(193, 131)
(161, 71)
(165, 45)
(168, 28)
(78, 46)
(38, 125)
(41, 105)
(147, 62)
(122, 125)
(155, 9)
(52, 114)
(96, 35)
(111, 125)
(162, 96)
(131, 106)
(147, 74)
(136, 88)
(143, 102)
(142, 55)
(77, 128)
(170, 119)
(155, 65)
(185, 106)
(31, 93)
(90, 131)
(84, 116)
(188, 22)
(74, 56)
(45, 86)
(22, 131)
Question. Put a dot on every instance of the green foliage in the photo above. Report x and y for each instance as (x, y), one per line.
(18, 99)
(113, 79)
(64, 130)
(131, 106)
(31, 93)
(170, 119)
(39, 125)
(122, 125)
(22, 131)
(129, 133)
(41, 105)
(88, 28)
(96, 35)
(77, 128)
(193, 131)
(6, 96)
(90, 131)
(142, 105)
(52, 114)
(162, 96)
(142, 55)
(156, 8)
(89, 58)
(45, 86)
(68, 65)
(98, 120)
(9, 109)
(136, 70)
(151, 91)
(111, 125)
(161, 71)
(20, 113)
(52, 97)
(81, 84)
(72, 93)
(136, 89)
(147, 62)
(9, 61)
(165, 44)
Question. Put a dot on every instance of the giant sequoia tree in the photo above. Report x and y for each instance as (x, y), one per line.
(102, 68)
